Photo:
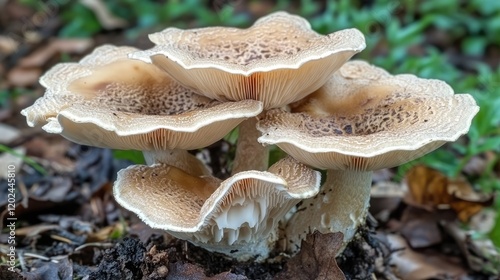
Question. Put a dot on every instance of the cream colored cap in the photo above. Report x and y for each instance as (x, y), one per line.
(109, 100)
(278, 60)
(366, 119)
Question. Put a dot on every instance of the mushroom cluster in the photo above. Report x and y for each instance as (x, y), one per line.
(281, 84)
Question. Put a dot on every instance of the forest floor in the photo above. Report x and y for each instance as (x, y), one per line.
(69, 226)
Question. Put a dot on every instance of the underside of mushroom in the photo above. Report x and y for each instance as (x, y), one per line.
(238, 216)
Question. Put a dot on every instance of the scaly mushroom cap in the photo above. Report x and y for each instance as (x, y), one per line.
(109, 100)
(278, 60)
(366, 119)
(237, 216)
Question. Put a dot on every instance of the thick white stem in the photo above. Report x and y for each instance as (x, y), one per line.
(341, 206)
(250, 154)
(178, 158)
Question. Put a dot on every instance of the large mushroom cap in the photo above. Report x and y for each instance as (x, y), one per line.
(366, 119)
(278, 60)
(109, 100)
(232, 215)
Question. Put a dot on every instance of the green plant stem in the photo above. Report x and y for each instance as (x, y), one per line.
(31, 162)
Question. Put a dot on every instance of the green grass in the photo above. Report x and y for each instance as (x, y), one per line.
(27, 160)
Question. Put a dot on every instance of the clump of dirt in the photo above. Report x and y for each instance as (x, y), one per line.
(214, 263)
(132, 259)
(363, 257)
(124, 261)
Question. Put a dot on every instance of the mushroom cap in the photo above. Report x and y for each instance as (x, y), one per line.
(109, 100)
(219, 215)
(366, 119)
(278, 60)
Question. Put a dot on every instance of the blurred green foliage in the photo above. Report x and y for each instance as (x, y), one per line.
(130, 155)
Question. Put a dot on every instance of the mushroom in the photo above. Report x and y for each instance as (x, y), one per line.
(237, 217)
(108, 100)
(278, 60)
(362, 119)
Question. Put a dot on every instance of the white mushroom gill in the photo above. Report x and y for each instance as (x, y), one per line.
(237, 216)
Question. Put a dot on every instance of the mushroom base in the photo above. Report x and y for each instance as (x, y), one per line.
(341, 206)
(258, 249)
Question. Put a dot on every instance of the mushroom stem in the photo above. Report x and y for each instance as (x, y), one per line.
(340, 206)
(178, 158)
(250, 154)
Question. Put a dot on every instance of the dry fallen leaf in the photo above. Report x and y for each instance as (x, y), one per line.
(410, 265)
(106, 232)
(7, 45)
(39, 57)
(7, 159)
(29, 69)
(420, 227)
(8, 133)
(316, 259)
(427, 188)
(53, 149)
(480, 253)
(32, 231)
(484, 221)
(431, 190)
(62, 269)
(384, 199)
(23, 77)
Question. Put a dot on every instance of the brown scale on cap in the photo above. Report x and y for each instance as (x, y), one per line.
(394, 112)
(250, 46)
(277, 38)
(150, 188)
(380, 117)
(122, 84)
(139, 88)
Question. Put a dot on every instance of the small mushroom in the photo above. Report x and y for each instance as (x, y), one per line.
(108, 100)
(362, 119)
(278, 60)
(237, 216)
